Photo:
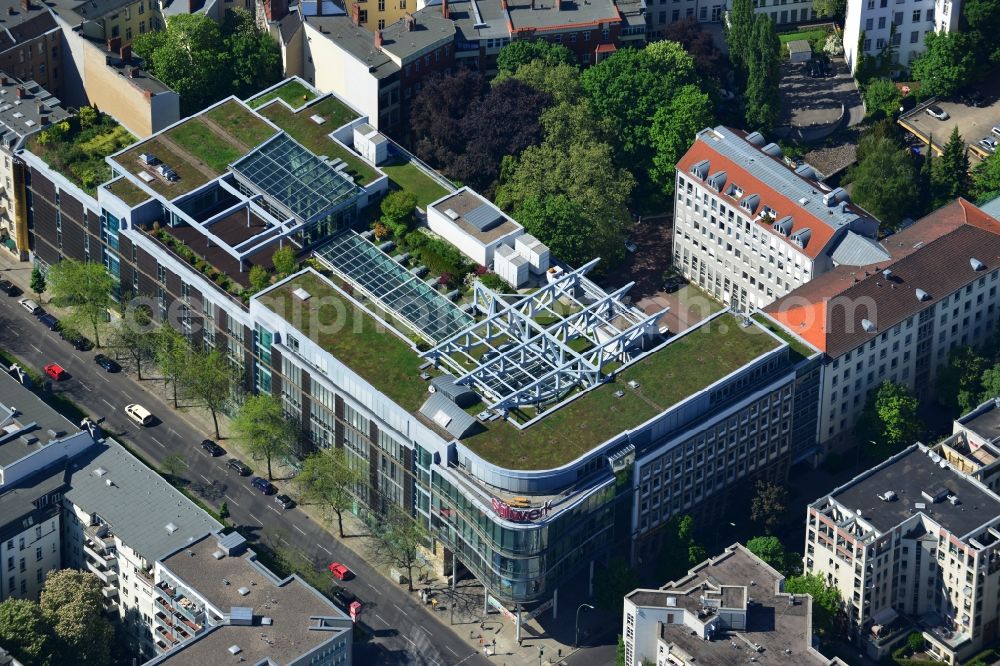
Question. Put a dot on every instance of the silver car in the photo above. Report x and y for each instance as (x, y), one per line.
(937, 112)
(988, 144)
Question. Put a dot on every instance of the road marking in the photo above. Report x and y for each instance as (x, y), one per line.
(281, 539)
(448, 647)
(422, 628)
(408, 640)
(157, 441)
(204, 477)
(466, 659)
(381, 620)
(325, 550)
(107, 403)
(273, 509)
(232, 500)
(402, 611)
(301, 531)
(104, 379)
(256, 518)
(35, 348)
(374, 588)
(85, 386)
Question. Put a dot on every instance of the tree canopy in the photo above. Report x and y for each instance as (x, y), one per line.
(885, 180)
(986, 179)
(709, 61)
(24, 632)
(72, 605)
(204, 62)
(950, 173)
(882, 97)
(86, 289)
(769, 549)
(395, 542)
(890, 417)
(210, 378)
(523, 51)
(261, 426)
(946, 64)
(769, 505)
(763, 68)
(328, 480)
(825, 598)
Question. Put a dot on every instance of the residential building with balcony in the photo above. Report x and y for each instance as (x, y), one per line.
(874, 28)
(31, 48)
(898, 319)
(749, 228)
(729, 610)
(912, 544)
(213, 594)
(974, 445)
(661, 14)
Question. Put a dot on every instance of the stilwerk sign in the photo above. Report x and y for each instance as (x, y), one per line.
(515, 515)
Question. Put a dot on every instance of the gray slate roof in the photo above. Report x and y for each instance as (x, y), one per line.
(138, 505)
(458, 423)
(857, 250)
(992, 208)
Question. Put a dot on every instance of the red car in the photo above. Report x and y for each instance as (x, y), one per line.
(339, 571)
(55, 371)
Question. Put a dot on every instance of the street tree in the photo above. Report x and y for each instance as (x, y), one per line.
(769, 549)
(209, 377)
(620, 652)
(173, 464)
(946, 64)
(24, 631)
(890, 417)
(618, 580)
(262, 427)
(37, 282)
(395, 543)
(136, 337)
(328, 480)
(884, 180)
(284, 260)
(224, 511)
(882, 97)
(72, 605)
(521, 52)
(85, 288)
(825, 599)
(959, 382)
(172, 355)
(950, 173)
(769, 505)
(986, 179)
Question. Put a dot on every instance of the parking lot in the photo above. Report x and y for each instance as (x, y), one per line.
(814, 107)
(973, 123)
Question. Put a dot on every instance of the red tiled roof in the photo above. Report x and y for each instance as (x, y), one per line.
(821, 233)
(933, 255)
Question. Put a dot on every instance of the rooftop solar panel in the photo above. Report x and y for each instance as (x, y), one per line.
(401, 292)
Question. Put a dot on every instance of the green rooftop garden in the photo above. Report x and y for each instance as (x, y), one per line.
(666, 377)
(77, 146)
(353, 336)
(127, 192)
(314, 136)
(198, 139)
(407, 176)
(190, 174)
(292, 91)
(798, 348)
(245, 127)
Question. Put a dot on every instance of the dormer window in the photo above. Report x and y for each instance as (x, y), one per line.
(750, 203)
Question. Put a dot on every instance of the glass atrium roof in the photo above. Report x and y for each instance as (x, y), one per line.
(398, 290)
(298, 180)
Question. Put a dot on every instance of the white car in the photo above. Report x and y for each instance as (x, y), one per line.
(937, 112)
(139, 414)
(29, 305)
(988, 144)
(996, 130)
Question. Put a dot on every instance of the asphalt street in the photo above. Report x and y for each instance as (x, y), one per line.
(404, 631)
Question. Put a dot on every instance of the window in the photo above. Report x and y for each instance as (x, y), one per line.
(128, 32)
(38, 554)
(869, 25)
(881, 22)
(914, 36)
(381, 5)
(381, 23)
(880, 43)
(916, 16)
(898, 18)
(402, 4)
(586, 35)
(363, 16)
(142, 27)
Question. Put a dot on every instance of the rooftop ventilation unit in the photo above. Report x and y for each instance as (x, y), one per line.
(923, 295)
(100, 471)
(976, 264)
(632, 384)
(451, 213)
(772, 149)
(868, 325)
(218, 554)
(887, 274)
(888, 496)
(235, 650)
(244, 591)
(171, 528)
(148, 158)
(756, 138)
(301, 294)
(919, 505)
(831, 198)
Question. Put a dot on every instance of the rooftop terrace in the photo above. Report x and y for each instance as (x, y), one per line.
(665, 377)
(315, 136)
(77, 151)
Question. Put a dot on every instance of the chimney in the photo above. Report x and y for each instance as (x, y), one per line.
(133, 72)
(4, 80)
(355, 13)
(411, 23)
(558, 5)
(25, 5)
(115, 44)
(444, 8)
(126, 54)
(20, 92)
(378, 40)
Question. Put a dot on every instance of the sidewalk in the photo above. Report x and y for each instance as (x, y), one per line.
(462, 610)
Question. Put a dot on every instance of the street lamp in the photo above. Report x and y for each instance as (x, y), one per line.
(541, 651)
(576, 634)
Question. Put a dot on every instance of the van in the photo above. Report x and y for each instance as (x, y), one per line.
(29, 305)
(139, 414)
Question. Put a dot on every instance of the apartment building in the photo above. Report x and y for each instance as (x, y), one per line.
(912, 545)
(31, 49)
(730, 609)
(749, 228)
(898, 319)
(235, 608)
(661, 13)
(71, 498)
(99, 22)
(877, 28)
(974, 445)
(25, 108)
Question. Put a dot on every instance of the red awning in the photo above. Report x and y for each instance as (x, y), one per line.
(606, 48)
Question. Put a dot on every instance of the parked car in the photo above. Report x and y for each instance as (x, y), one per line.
(988, 144)
(78, 341)
(343, 597)
(212, 448)
(996, 130)
(9, 288)
(284, 501)
(630, 246)
(139, 414)
(937, 112)
(55, 371)
(29, 305)
(263, 485)
(49, 321)
(339, 571)
(237, 466)
(106, 363)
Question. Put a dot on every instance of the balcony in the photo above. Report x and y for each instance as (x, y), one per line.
(109, 591)
(99, 538)
(106, 576)
(187, 609)
(165, 591)
(166, 635)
